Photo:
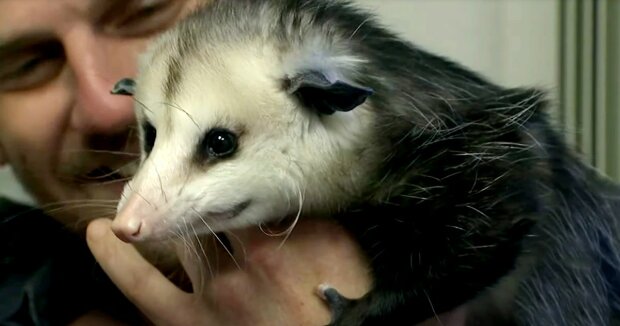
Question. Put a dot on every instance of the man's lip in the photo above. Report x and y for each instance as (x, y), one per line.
(106, 174)
(103, 173)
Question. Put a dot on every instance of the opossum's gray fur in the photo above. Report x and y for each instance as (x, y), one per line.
(501, 203)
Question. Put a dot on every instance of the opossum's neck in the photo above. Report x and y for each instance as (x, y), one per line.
(406, 77)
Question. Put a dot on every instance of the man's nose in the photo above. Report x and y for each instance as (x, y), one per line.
(97, 64)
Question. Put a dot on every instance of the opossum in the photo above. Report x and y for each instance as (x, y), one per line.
(458, 190)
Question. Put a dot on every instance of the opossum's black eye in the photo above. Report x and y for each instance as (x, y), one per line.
(150, 133)
(220, 142)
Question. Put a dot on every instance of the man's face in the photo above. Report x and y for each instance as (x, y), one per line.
(61, 130)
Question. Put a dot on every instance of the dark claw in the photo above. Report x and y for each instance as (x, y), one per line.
(125, 86)
(336, 302)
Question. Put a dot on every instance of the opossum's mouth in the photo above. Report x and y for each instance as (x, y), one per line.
(229, 213)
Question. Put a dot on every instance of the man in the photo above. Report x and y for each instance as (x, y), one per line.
(68, 139)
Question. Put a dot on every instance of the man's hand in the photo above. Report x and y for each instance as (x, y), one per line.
(273, 286)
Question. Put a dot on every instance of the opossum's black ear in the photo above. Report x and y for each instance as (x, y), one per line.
(125, 86)
(314, 90)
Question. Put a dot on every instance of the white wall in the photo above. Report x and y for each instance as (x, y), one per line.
(513, 42)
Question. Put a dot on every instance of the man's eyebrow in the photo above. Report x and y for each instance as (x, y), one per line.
(105, 10)
(23, 42)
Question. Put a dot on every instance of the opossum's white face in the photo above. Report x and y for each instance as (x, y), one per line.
(230, 141)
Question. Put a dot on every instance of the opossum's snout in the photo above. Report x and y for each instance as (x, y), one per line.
(128, 225)
(128, 232)
(159, 206)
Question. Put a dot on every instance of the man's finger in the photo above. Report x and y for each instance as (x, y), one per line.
(158, 298)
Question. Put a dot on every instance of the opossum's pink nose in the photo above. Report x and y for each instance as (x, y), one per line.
(128, 232)
(128, 224)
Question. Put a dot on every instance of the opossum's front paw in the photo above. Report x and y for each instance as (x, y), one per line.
(338, 304)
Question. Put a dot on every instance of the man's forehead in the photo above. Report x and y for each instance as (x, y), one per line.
(19, 17)
(25, 17)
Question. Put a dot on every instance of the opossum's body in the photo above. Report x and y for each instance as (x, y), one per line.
(458, 190)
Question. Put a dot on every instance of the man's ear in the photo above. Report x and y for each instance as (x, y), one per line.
(316, 92)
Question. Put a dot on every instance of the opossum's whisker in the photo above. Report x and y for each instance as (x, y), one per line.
(241, 244)
(161, 185)
(95, 215)
(187, 237)
(130, 136)
(104, 203)
(433, 308)
(83, 178)
(225, 248)
(120, 180)
(80, 204)
(100, 151)
(290, 229)
(179, 234)
(190, 248)
(187, 176)
(217, 238)
(142, 105)
(140, 195)
(184, 111)
(215, 256)
(76, 206)
(201, 281)
(212, 270)
(79, 201)
(185, 229)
